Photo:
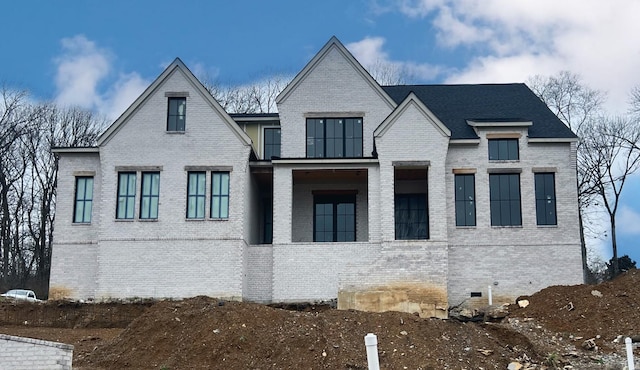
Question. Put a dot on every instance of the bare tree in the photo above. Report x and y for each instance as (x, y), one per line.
(256, 97)
(577, 106)
(388, 73)
(28, 181)
(611, 153)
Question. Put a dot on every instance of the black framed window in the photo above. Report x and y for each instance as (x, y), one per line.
(504, 192)
(83, 200)
(126, 195)
(334, 137)
(545, 199)
(271, 142)
(150, 195)
(196, 192)
(465, 195)
(176, 114)
(503, 149)
(411, 220)
(334, 218)
(267, 221)
(220, 195)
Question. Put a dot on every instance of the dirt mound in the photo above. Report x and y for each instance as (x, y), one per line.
(204, 333)
(603, 311)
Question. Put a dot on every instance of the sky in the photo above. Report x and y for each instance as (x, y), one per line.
(101, 55)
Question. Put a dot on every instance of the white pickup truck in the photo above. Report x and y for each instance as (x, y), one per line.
(21, 294)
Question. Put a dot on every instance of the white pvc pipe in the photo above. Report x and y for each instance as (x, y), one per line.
(630, 364)
(371, 342)
(490, 296)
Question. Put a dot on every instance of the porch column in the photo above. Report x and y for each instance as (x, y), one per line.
(373, 199)
(282, 204)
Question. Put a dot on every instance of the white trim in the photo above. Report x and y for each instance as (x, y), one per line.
(534, 140)
(473, 123)
(93, 149)
(464, 141)
(335, 161)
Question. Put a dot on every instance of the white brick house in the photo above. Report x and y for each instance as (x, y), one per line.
(412, 198)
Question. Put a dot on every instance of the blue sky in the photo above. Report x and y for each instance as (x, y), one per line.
(102, 54)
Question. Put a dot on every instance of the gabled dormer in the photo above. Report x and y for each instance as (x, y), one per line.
(330, 109)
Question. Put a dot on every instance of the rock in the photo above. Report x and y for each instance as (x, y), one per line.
(523, 303)
(589, 344)
(596, 293)
(514, 366)
(496, 312)
(404, 332)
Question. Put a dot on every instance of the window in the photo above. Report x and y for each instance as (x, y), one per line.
(176, 114)
(220, 195)
(505, 199)
(84, 200)
(126, 195)
(271, 143)
(545, 199)
(465, 194)
(196, 189)
(334, 137)
(150, 195)
(334, 218)
(503, 149)
(411, 216)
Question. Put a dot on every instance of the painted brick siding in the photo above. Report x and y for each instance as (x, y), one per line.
(332, 86)
(309, 271)
(177, 268)
(258, 273)
(18, 353)
(74, 253)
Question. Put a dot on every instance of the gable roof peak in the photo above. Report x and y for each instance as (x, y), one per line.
(198, 86)
(332, 44)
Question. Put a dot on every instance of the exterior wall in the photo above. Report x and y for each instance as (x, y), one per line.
(258, 273)
(175, 268)
(309, 272)
(33, 354)
(520, 259)
(74, 253)
(335, 86)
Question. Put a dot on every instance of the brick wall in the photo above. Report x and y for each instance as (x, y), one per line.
(18, 353)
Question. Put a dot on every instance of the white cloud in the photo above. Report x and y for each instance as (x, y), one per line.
(517, 39)
(369, 52)
(82, 67)
(628, 221)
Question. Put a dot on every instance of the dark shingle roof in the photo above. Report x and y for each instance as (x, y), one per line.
(455, 104)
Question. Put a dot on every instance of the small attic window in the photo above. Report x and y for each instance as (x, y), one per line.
(176, 114)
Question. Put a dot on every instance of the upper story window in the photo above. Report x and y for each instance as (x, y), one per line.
(220, 195)
(465, 196)
(334, 137)
(503, 149)
(196, 189)
(176, 113)
(150, 195)
(271, 142)
(504, 191)
(126, 195)
(545, 199)
(83, 200)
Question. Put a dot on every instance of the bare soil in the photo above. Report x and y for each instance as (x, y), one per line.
(571, 327)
